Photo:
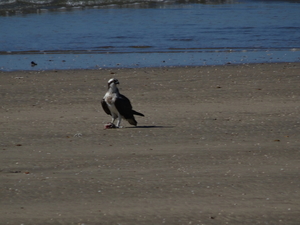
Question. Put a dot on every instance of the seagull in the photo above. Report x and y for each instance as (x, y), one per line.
(118, 106)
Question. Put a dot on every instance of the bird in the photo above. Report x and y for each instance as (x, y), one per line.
(118, 106)
(33, 64)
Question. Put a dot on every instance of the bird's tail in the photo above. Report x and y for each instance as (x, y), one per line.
(137, 113)
(132, 121)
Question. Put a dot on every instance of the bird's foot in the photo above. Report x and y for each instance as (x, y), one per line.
(110, 126)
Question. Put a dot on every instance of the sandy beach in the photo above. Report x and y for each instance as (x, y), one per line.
(217, 145)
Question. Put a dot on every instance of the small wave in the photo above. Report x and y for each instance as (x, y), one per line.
(31, 6)
(140, 46)
(11, 7)
(7, 2)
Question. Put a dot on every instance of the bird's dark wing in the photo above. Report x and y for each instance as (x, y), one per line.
(105, 107)
(124, 107)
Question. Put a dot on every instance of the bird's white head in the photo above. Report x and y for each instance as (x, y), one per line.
(113, 83)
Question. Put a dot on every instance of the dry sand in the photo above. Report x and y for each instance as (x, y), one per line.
(217, 145)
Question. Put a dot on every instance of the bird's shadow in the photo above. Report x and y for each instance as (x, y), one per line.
(150, 127)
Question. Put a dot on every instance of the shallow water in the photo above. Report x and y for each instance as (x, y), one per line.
(170, 34)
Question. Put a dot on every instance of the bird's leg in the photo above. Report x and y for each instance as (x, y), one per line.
(119, 121)
(113, 118)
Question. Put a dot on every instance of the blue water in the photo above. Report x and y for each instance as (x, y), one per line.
(170, 34)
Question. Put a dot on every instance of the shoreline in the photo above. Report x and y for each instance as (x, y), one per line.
(46, 62)
(218, 144)
(150, 67)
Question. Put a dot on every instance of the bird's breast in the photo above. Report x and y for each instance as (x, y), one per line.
(109, 100)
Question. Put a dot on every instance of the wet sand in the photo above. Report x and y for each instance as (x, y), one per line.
(217, 145)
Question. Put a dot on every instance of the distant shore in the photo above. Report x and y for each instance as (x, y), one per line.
(217, 145)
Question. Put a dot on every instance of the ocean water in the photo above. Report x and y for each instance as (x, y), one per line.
(57, 34)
